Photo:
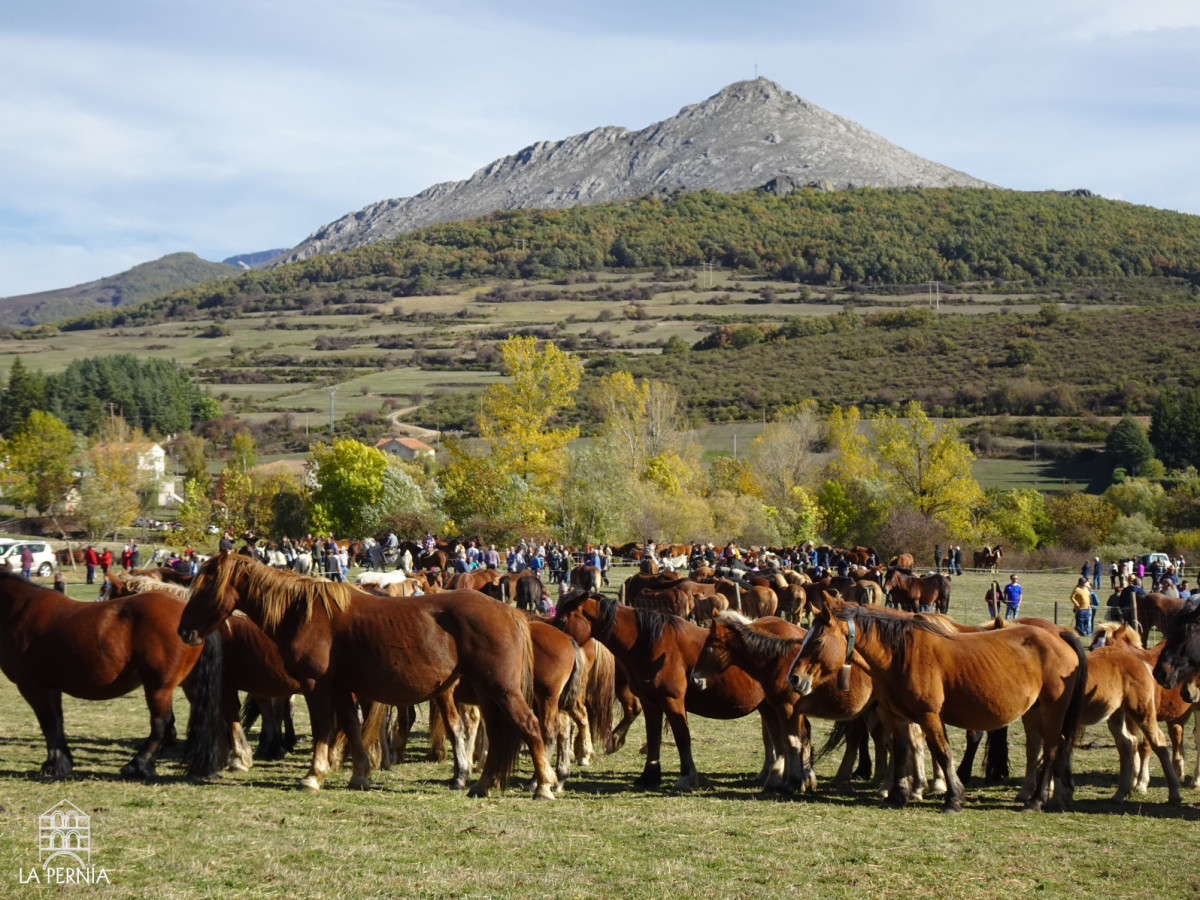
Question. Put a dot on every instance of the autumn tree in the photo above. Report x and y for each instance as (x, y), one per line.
(195, 514)
(357, 488)
(114, 483)
(515, 421)
(927, 467)
(37, 463)
(191, 451)
(1081, 521)
(595, 498)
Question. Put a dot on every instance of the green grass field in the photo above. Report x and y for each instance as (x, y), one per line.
(410, 836)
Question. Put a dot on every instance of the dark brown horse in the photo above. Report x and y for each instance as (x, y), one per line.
(657, 652)
(586, 578)
(341, 644)
(765, 649)
(1156, 611)
(51, 645)
(918, 594)
(925, 674)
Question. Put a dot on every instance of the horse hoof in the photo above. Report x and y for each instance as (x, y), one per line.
(135, 771)
(240, 765)
(1032, 806)
(543, 792)
(684, 784)
(57, 767)
(360, 782)
(478, 789)
(309, 784)
(457, 784)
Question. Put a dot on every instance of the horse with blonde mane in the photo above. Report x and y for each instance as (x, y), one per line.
(341, 644)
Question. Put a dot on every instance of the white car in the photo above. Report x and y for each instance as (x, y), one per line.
(44, 562)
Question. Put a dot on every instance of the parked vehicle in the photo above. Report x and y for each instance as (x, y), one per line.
(44, 562)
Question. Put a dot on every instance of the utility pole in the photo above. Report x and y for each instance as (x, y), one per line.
(332, 390)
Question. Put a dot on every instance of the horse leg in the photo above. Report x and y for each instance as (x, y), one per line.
(899, 795)
(652, 772)
(677, 718)
(1175, 736)
(509, 720)
(47, 706)
(1125, 752)
(771, 775)
(968, 758)
(1147, 723)
(324, 726)
(631, 706)
(1194, 778)
(939, 746)
(1033, 752)
(347, 710)
(444, 705)
(796, 741)
(158, 701)
(241, 758)
(585, 752)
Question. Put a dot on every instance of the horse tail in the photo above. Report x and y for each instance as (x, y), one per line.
(1075, 706)
(505, 739)
(601, 695)
(577, 682)
(372, 735)
(207, 732)
(995, 756)
(837, 737)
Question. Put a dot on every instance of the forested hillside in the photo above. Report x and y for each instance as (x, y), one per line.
(869, 236)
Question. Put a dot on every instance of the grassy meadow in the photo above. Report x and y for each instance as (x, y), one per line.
(409, 836)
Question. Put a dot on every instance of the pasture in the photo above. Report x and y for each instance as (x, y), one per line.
(409, 836)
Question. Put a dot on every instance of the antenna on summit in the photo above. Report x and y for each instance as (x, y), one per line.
(756, 71)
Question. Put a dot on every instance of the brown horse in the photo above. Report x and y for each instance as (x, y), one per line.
(1121, 693)
(1156, 610)
(51, 645)
(586, 578)
(980, 682)
(764, 649)
(340, 644)
(918, 594)
(475, 580)
(657, 652)
(1170, 703)
(989, 558)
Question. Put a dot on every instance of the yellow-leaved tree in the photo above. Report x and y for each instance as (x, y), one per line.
(927, 467)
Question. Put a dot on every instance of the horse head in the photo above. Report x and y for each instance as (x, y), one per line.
(825, 648)
(1179, 661)
(211, 599)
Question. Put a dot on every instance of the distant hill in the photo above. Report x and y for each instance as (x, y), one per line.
(250, 260)
(141, 283)
(751, 134)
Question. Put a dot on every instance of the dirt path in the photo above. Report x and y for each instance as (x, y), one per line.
(428, 435)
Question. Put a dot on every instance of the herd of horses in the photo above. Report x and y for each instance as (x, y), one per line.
(500, 678)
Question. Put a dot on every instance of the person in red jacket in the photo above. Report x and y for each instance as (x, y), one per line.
(105, 561)
(91, 559)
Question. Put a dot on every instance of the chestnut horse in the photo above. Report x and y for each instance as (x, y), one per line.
(764, 649)
(51, 645)
(1155, 610)
(657, 652)
(339, 643)
(923, 674)
(912, 593)
(1172, 707)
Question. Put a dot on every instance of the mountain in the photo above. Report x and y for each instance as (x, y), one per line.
(250, 260)
(750, 134)
(142, 282)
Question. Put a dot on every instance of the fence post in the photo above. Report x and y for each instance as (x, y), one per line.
(1055, 612)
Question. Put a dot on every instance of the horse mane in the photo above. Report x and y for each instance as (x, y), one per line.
(732, 617)
(274, 591)
(650, 625)
(1130, 636)
(757, 644)
(138, 584)
(891, 627)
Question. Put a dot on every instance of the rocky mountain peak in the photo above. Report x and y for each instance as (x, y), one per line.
(746, 135)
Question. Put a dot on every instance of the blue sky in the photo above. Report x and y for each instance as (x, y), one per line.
(135, 128)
